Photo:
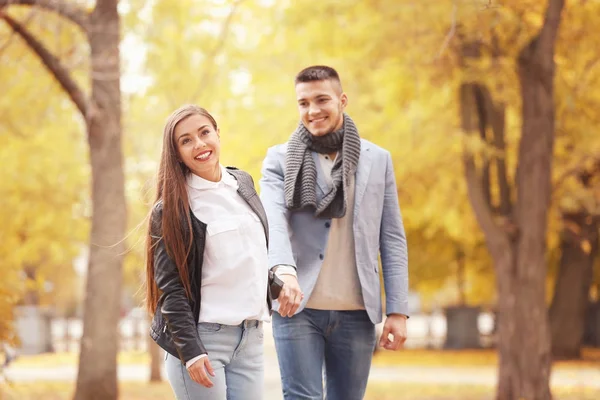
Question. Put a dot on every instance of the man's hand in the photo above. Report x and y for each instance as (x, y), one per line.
(395, 324)
(198, 372)
(290, 297)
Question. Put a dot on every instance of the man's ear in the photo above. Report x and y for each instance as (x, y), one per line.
(344, 100)
(219, 133)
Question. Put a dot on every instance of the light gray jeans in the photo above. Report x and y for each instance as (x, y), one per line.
(236, 355)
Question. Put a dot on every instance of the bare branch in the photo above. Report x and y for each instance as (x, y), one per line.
(60, 73)
(496, 117)
(218, 47)
(12, 127)
(478, 93)
(494, 234)
(13, 34)
(497, 233)
(578, 169)
(450, 34)
(5, 45)
(70, 11)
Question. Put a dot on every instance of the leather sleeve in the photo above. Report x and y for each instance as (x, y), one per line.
(173, 302)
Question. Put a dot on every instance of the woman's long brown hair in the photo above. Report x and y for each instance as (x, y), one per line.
(176, 220)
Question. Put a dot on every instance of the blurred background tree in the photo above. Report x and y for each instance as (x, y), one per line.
(96, 30)
(403, 65)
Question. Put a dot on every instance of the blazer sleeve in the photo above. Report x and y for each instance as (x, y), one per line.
(393, 247)
(273, 199)
(173, 302)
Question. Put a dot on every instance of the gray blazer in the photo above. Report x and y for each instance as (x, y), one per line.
(299, 239)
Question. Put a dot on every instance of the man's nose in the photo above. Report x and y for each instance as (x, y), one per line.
(313, 109)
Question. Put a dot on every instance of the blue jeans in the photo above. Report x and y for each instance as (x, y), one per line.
(236, 355)
(341, 341)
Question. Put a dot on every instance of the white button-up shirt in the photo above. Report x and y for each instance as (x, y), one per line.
(235, 266)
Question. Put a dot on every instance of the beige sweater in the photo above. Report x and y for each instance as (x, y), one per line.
(338, 286)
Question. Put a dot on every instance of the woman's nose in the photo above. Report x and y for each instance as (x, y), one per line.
(199, 143)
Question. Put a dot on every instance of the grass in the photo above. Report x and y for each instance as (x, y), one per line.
(62, 359)
(376, 391)
(469, 358)
(393, 391)
(64, 391)
(421, 357)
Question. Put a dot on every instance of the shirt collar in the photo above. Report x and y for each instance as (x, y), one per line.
(197, 182)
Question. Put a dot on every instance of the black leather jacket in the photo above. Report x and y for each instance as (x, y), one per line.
(174, 324)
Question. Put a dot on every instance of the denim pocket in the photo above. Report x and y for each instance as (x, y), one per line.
(209, 327)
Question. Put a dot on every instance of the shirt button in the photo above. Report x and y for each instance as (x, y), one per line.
(321, 256)
(327, 224)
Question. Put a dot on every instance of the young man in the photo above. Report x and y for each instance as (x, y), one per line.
(332, 207)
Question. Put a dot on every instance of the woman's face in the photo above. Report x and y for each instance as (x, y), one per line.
(198, 145)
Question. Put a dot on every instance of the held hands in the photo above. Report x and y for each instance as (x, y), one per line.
(290, 297)
(395, 324)
(198, 372)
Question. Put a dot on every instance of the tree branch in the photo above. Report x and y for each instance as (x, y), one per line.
(578, 169)
(482, 117)
(496, 116)
(53, 64)
(550, 29)
(220, 43)
(70, 11)
(538, 56)
(450, 34)
(472, 118)
(483, 212)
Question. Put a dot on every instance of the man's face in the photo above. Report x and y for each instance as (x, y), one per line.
(321, 106)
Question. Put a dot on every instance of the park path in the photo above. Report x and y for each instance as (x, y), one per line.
(584, 377)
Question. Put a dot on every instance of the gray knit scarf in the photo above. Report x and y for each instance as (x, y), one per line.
(301, 171)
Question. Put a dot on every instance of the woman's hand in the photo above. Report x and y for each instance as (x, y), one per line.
(198, 372)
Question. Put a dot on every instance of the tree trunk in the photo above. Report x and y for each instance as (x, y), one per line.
(97, 376)
(155, 360)
(461, 277)
(517, 242)
(31, 297)
(528, 356)
(504, 263)
(579, 246)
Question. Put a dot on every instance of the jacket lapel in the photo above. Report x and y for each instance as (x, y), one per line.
(248, 193)
(362, 176)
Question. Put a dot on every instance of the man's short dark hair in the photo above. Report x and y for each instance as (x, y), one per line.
(318, 73)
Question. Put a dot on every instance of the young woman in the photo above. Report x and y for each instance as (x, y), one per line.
(207, 271)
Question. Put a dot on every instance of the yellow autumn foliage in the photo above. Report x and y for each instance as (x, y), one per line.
(400, 65)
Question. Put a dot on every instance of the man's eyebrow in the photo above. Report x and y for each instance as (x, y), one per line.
(317, 96)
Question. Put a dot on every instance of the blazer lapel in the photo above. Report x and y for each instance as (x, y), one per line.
(321, 183)
(362, 176)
